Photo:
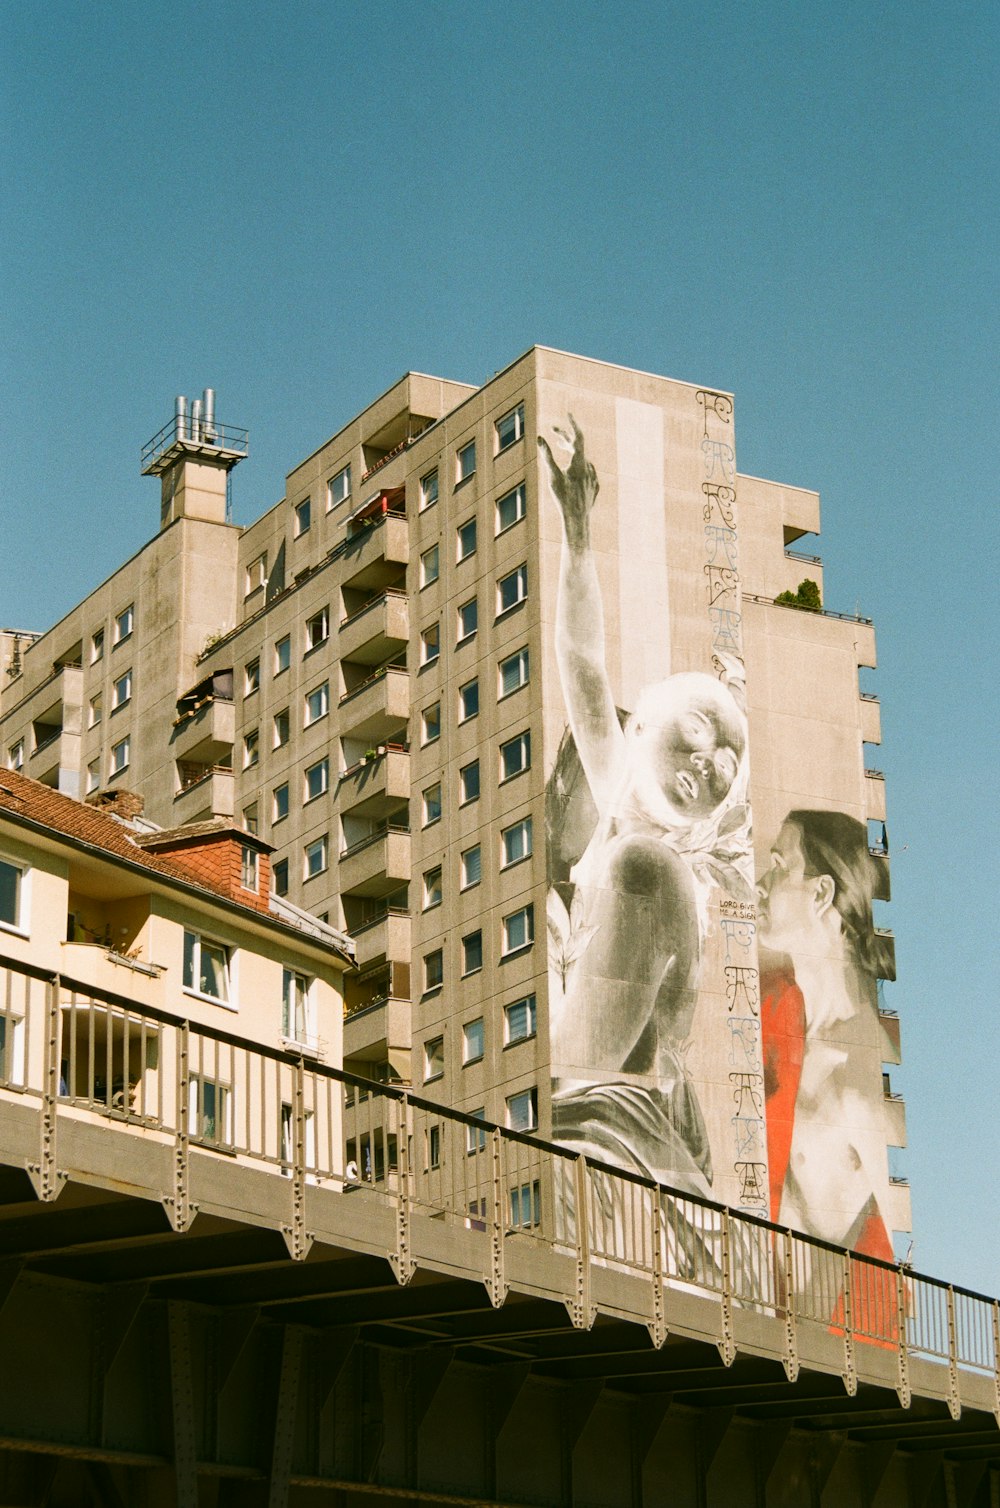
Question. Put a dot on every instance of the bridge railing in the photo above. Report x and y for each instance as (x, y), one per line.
(81, 1051)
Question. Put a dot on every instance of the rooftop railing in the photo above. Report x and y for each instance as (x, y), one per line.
(198, 435)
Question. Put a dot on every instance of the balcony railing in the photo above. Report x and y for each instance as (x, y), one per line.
(370, 838)
(821, 612)
(76, 1052)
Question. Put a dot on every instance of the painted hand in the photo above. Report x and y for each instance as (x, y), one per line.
(576, 488)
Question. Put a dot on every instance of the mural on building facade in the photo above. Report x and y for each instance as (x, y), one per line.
(648, 823)
(821, 958)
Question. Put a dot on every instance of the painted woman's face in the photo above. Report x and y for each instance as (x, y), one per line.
(786, 900)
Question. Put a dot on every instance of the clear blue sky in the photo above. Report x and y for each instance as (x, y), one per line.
(296, 203)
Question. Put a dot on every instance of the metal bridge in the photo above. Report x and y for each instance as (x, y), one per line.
(200, 1305)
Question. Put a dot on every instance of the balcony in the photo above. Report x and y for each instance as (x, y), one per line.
(206, 732)
(377, 631)
(376, 784)
(375, 551)
(875, 795)
(895, 1120)
(891, 1047)
(385, 937)
(871, 719)
(210, 794)
(377, 1031)
(377, 865)
(378, 707)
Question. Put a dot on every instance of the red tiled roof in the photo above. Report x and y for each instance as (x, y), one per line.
(39, 803)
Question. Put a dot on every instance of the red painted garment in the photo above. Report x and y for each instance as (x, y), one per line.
(783, 1040)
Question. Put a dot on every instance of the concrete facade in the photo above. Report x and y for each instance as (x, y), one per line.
(369, 677)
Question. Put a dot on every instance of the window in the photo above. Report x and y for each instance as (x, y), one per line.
(515, 756)
(97, 647)
(303, 517)
(282, 654)
(251, 677)
(317, 704)
(93, 717)
(282, 728)
(432, 804)
(279, 876)
(512, 589)
(472, 867)
(93, 776)
(518, 930)
(468, 619)
(10, 894)
(251, 821)
(432, 888)
(526, 1205)
(434, 1146)
(316, 857)
(514, 672)
(124, 624)
(468, 701)
(430, 723)
(430, 644)
(296, 1023)
(317, 779)
(120, 754)
(522, 1110)
(121, 691)
(511, 507)
(430, 565)
(475, 1138)
(468, 782)
(256, 575)
(433, 1059)
(317, 629)
(519, 1019)
(250, 869)
(467, 461)
(472, 1041)
(15, 754)
(510, 428)
(472, 953)
(338, 489)
(433, 970)
(251, 748)
(429, 489)
(467, 539)
(516, 841)
(209, 1111)
(279, 802)
(206, 967)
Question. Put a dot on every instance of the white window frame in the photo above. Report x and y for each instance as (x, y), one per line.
(520, 500)
(429, 489)
(321, 769)
(476, 1054)
(192, 973)
(198, 1116)
(465, 716)
(520, 663)
(528, 1099)
(519, 576)
(121, 691)
(15, 755)
(282, 652)
(430, 566)
(251, 676)
(430, 723)
(524, 917)
(522, 742)
(526, 1205)
(469, 944)
(519, 831)
(530, 1008)
(463, 470)
(431, 798)
(433, 966)
(21, 877)
(317, 630)
(256, 575)
(510, 428)
(124, 624)
(316, 857)
(298, 1011)
(433, 887)
(433, 1059)
(282, 725)
(461, 553)
(338, 488)
(430, 644)
(320, 695)
(97, 646)
(464, 798)
(280, 798)
(475, 1137)
(468, 620)
(121, 754)
(93, 776)
(250, 868)
(302, 513)
(466, 862)
(251, 748)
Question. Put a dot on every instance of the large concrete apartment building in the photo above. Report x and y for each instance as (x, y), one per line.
(500, 680)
